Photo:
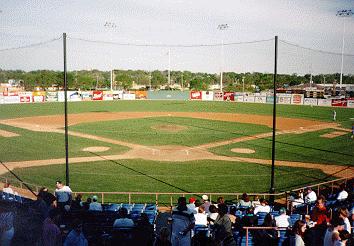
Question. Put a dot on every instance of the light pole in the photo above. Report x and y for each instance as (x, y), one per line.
(343, 13)
(111, 26)
(222, 27)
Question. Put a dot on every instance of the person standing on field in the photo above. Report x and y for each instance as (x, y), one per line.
(334, 115)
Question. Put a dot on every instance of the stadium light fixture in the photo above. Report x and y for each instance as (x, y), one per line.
(222, 27)
(111, 26)
(343, 13)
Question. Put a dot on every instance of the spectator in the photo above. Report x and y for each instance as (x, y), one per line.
(250, 219)
(41, 206)
(123, 220)
(256, 202)
(343, 194)
(51, 235)
(7, 229)
(76, 236)
(163, 238)
(94, 205)
(48, 197)
(310, 196)
(213, 213)
(282, 220)
(182, 223)
(144, 231)
(8, 189)
(222, 227)
(220, 200)
(191, 204)
(298, 231)
(264, 207)
(245, 201)
(266, 236)
(206, 203)
(201, 217)
(344, 214)
(63, 194)
(86, 205)
(344, 237)
(319, 212)
(231, 214)
(332, 232)
(298, 199)
(77, 203)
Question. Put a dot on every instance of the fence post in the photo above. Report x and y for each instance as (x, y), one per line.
(102, 197)
(157, 199)
(171, 201)
(247, 236)
(129, 198)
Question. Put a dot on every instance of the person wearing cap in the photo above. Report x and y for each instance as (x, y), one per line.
(191, 204)
(310, 196)
(332, 233)
(183, 222)
(282, 220)
(206, 203)
(94, 205)
(63, 194)
(343, 194)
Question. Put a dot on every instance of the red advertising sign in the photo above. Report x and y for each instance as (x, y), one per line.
(229, 96)
(25, 99)
(97, 95)
(196, 95)
(10, 93)
(339, 102)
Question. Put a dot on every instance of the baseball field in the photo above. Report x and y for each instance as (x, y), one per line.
(175, 146)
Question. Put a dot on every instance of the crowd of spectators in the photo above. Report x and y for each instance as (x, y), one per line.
(310, 220)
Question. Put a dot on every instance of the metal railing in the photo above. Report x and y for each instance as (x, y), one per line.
(156, 195)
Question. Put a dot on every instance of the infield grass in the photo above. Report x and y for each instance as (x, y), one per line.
(149, 131)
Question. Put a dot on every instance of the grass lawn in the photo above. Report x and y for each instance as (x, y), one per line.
(196, 131)
(32, 145)
(306, 147)
(148, 176)
(292, 111)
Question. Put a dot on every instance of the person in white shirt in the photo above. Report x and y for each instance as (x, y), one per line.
(343, 194)
(311, 196)
(332, 233)
(63, 194)
(8, 189)
(201, 217)
(123, 221)
(264, 207)
(344, 214)
(282, 220)
(94, 205)
(213, 214)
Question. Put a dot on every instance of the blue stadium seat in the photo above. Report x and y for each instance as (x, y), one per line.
(250, 240)
(18, 199)
(274, 213)
(282, 236)
(113, 207)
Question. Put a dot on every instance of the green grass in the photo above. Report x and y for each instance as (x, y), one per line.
(197, 131)
(43, 145)
(306, 147)
(149, 176)
(292, 111)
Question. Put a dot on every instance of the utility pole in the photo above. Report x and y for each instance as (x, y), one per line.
(111, 26)
(222, 27)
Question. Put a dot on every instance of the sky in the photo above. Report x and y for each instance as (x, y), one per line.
(311, 24)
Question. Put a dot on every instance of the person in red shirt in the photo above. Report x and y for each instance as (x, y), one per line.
(319, 212)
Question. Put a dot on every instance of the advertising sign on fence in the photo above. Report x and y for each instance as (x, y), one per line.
(74, 96)
(260, 99)
(270, 99)
(51, 96)
(11, 99)
(238, 98)
(38, 96)
(229, 96)
(207, 95)
(350, 103)
(25, 97)
(140, 94)
(117, 95)
(196, 95)
(97, 95)
(218, 96)
(248, 99)
(86, 95)
(339, 102)
(108, 95)
(297, 99)
(284, 98)
(128, 96)
(324, 102)
(310, 101)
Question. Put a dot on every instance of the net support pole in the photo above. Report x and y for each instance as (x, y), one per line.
(272, 188)
(66, 115)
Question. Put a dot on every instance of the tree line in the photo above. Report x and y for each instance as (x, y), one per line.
(124, 79)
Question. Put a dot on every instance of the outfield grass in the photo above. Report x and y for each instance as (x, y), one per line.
(43, 145)
(292, 111)
(197, 131)
(149, 176)
(306, 147)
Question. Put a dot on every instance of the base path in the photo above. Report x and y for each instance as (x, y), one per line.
(173, 153)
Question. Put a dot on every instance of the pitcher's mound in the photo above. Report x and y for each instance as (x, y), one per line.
(96, 149)
(243, 150)
(169, 128)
